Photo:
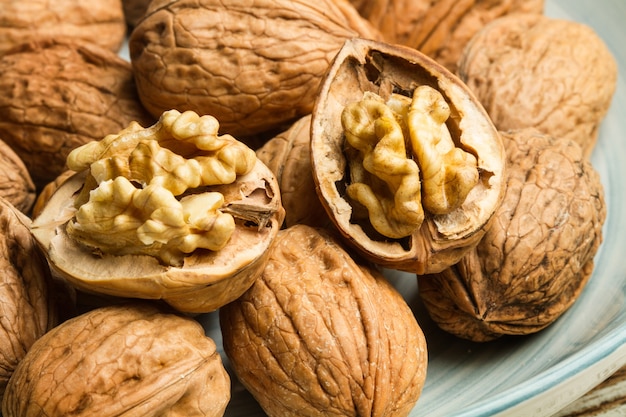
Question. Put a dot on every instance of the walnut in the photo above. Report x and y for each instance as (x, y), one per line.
(173, 211)
(255, 66)
(57, 95)
(100, 22)
(320, 334)
(535, 71)
(406, 162)
(440, 29)
(28, 310)
(538, 254)
(288, 155)
(16, 185)
(129, 359)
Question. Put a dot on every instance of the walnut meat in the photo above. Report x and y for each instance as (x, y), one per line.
(405, 160)
(255, 66)
(28, 311)
(537, 256)
(121, 360)
(535, 71)
(440, 29)
(16, 185)
(319, 334)
(57, 95)
(100, 22)
(173, 211)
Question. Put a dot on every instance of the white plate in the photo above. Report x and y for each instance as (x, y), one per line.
(540, 374)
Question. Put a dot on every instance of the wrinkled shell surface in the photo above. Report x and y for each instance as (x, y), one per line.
(121, 360)
(256, 66)
(539, 252)
(16, 185)
(288, 155)
(442, 240)
(27, 310)
(55, 96)
(440, 29)
(534, 71)
(100, 22)
(318, 334)
(207, 279)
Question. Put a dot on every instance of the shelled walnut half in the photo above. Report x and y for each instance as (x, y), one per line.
(173, 211)
(406, 162)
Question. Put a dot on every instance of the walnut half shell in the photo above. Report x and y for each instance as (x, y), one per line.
(365, 68)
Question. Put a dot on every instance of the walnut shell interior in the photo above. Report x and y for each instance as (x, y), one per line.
(365, 65)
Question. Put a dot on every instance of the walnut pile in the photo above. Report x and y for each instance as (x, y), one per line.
(538, 254)
(534, 71)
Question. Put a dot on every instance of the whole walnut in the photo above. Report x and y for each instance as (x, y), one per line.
(255, 66)
(127, 359)
(16, 185)
(288, 155)
(538, 254)
(535, 71)
(28, 309)
(58, 95)
(440, 29)
(100, 22)
(320, 334)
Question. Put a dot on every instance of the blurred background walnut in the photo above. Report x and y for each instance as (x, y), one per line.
(96, 21)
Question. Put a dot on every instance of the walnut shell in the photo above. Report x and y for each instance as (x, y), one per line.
(440, 29)
(100, 22)
(537, 256)
(255, 66)
(369, 66)
(319, 334)
(28, 311)
(535, 71)
(205, 281)
(121, 360)
(58, 95)
(288, 155)
(134, 11)
(16, 185)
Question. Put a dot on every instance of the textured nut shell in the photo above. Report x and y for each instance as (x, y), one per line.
(57, 95)
(534, 71)
(256, 66)
(27, 308)
(440, 29)
(539, 252)
(130, 360)
(317, 334)
(16, 185)
(288, 155)
(134, 10)
(100, 22)
(205, 282)
(364, 65)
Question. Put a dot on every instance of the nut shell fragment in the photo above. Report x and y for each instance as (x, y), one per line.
(441, 240)
(319, 333)
(121, 360)
(538, 254)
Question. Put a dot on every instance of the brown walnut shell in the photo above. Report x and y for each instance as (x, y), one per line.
(256, 66)
(364, 65)
(100, 22)
(121, 360)
(58, 95)
(440, 29)
(535, 71)
(288, 155)
(320, 334)
(16, 185)
(25, 294)
(536, 258)
(206, 280)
